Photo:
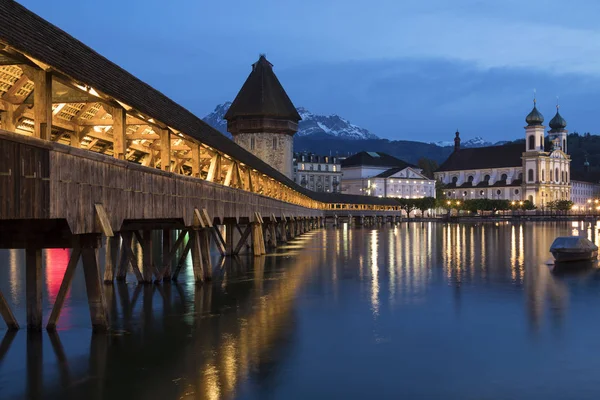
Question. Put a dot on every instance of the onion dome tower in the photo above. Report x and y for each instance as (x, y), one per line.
(457, 141)
(534, 131)
(262, 118)
(558, 131)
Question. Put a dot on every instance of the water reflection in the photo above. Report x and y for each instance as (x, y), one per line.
(273, 326)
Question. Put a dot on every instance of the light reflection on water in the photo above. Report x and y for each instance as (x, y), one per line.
(348, 313)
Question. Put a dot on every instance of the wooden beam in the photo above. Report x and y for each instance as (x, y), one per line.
(119, 132)
(214, 170)
(165, 149)
(229, 175)
(195, 160)
(7, 315)
(11, 93)
(42, 104)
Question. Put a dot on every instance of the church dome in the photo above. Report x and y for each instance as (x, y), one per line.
(558, 122)
(534, 117)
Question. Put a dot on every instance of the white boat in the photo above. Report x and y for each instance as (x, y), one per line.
(573, 248)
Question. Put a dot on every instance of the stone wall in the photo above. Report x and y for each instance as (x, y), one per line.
(276, 149)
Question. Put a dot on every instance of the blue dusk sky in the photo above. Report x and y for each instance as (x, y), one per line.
(404, 69)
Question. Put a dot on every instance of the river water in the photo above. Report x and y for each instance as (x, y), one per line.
(417, 311)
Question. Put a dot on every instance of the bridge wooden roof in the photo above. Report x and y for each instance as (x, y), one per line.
(33, 36)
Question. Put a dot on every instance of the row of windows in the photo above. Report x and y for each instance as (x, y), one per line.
(561, 176)
(311, 167)
(486, 178)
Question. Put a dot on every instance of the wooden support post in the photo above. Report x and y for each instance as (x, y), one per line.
(112, 250)
(196, 256)
(7, 315)
(64, 289)
(8, 118)
(243, 239)
(42, 104)
(166, 252)
(205, 252)
(131, 259)
(123, 263)
(165, 149)
(229, 238)
(214, 170)
(195, 160)
(119, 132)
(182, 257)
(258, 241)
(148, 260)
(33, 288)
(96, 300)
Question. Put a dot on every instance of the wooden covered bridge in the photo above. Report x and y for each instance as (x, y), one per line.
(87, 150)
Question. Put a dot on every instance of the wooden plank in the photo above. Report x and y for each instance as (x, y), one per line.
(64, 288)
(42, 104)
(165, 272)
(147, 256)
(33, 288)
(96, 300)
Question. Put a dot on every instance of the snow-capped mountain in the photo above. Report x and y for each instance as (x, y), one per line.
(310, 125)
(332, 125)
(477, 141)
(215, 118)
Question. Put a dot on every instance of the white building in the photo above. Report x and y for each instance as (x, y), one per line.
(379, 174)
(537, 171)
(317, 173)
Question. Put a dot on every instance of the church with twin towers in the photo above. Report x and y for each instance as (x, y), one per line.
(537, 170)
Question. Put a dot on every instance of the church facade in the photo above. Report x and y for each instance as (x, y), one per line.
(538, 171)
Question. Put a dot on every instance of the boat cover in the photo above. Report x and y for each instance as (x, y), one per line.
(572, 244)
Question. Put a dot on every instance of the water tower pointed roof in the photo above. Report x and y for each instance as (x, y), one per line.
(262, 96)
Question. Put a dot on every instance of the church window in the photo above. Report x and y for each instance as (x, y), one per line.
(543, 177)
(556, 174)
(503, 177)
(499, 192)
(564, 147)
(471, 178)
(487, 178)
(516, 191)
(530, 175)
(465, 193)
(521, 176)
(252, 143)
(481, 193)
(531, 142)
(319, 167)
(454, 179)
(274, 143)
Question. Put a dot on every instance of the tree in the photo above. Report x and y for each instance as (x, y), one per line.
(426, 203)
(563, 205)
(428, 166)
